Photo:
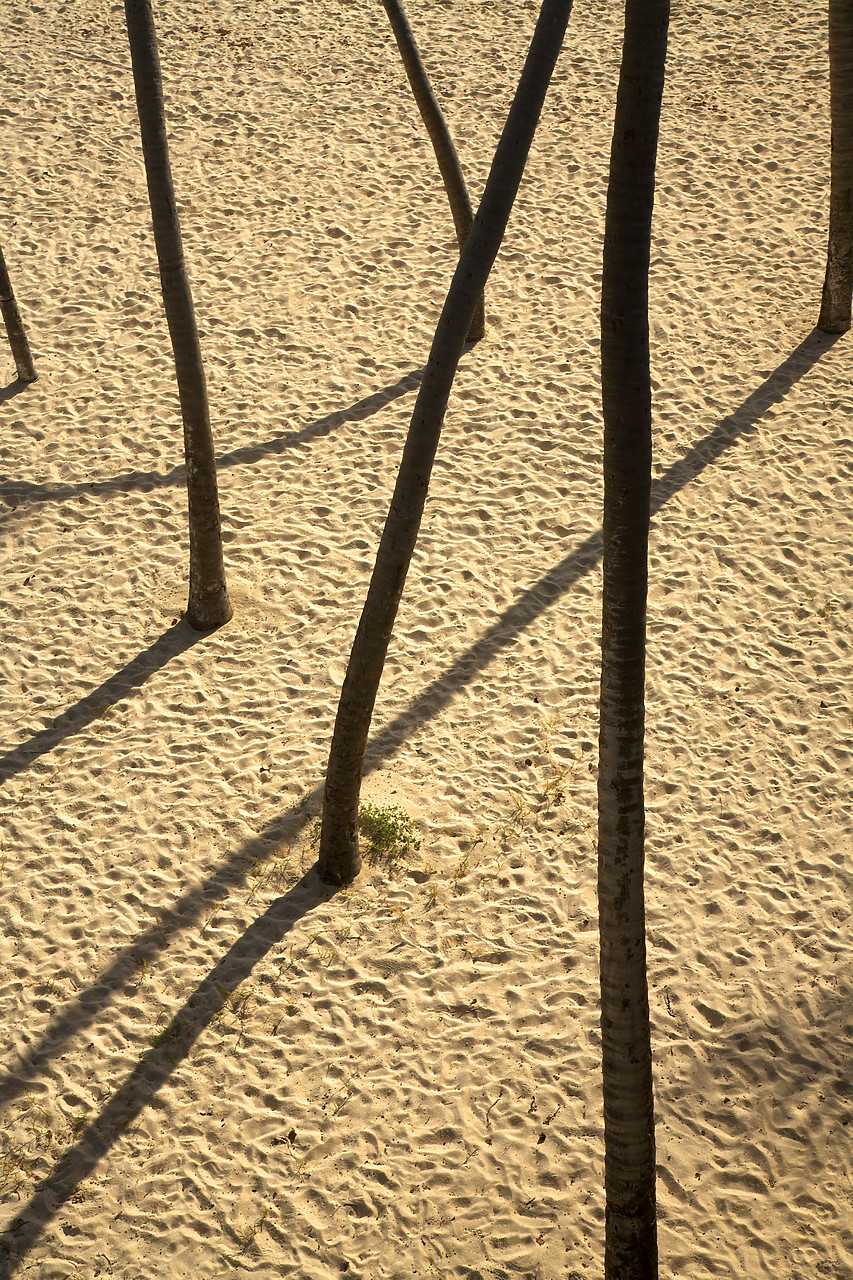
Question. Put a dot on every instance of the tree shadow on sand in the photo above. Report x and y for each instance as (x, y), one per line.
(14, 389)
(171, 1048)
(786, 1059)
(16, 493)
(155, 1067)
(176, 639)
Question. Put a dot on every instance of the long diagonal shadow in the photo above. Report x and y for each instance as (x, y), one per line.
(554, 584)
(132, 676)
(14, 492)
(155, 1067)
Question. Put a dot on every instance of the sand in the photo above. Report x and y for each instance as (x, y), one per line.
(213, 1065)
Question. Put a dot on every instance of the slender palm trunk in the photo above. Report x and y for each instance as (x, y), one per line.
(208, 605)
(24, 366)
(439, 136)
(631, 1234)
(838, 285)
(339, 860)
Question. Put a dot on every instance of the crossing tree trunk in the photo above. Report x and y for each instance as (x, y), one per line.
(340, 860)
(439, 136)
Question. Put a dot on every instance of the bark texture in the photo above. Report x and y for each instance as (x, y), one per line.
(630, 1232)
(208, 605)
(24, 366)
(838, 284)
(340, 860)
(439, 136)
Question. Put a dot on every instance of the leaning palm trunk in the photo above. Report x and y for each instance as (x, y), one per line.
(208, 604)
(339, 859)
(630, 1232)
(24, 366)
(838, 284)
(439, 136)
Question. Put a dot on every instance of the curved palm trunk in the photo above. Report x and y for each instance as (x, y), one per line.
(439, 136)
(838, 285)
(24, 366)
(208, 605)
(631, 1235)
(339, 860)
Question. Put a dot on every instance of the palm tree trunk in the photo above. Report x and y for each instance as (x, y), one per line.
(442, 143)
(24, 366)
(630, 1232)
(838, 285)
(208, 605)
(339, 859)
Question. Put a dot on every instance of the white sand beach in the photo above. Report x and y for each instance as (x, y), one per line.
(212, 1064)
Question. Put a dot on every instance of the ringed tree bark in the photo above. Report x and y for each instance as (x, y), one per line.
(439, 136)
(629, 1162)
(24, 366)
(339, 859)
(208, 605)
(837, 296)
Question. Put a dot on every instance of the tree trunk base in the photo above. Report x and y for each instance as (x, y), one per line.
(207, 615)
(339, 866)
(829, 324)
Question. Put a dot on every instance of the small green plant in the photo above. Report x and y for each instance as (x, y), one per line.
(78, 1123)
(388, 830)
(245, 1236)
(168, 1034)
(326, 953)
(346, 935)
(276, 875)
(237, 1004)
(347, 1089)
(553, 791)
(41, 1124)
(521, 810)
(14, 1165)
(460, 871)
